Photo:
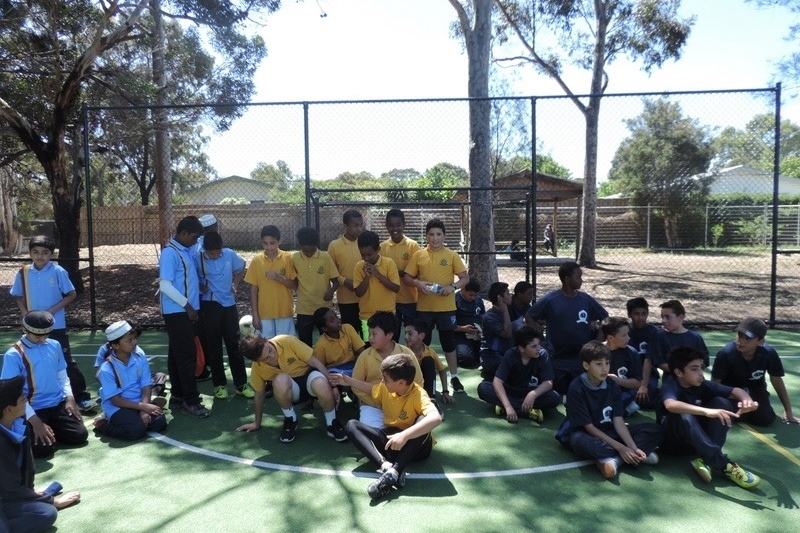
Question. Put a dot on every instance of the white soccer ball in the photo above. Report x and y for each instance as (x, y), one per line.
(246, 325)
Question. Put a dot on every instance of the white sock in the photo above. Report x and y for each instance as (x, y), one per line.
(453, 375)
(289, 413)
(330, 416)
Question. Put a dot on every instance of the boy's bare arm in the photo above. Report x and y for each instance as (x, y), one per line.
(422, 426)
(783, 396)
(744, 402)
(627, 383)
(632, 454)
(254, 307)
(258, 413)
(65, 301)
(500, 391)
(681, 408)
(344, 379)
(446, 398)
(361, 288)
(23, 310)
(328, 296)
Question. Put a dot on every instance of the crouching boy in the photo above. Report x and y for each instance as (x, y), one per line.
(409, 418)
(126, 387)
(697, 414)
(523, 384)
(296, 376)
(596, 429)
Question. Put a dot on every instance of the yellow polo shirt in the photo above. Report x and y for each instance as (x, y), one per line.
(314, 275)
(274, 299)
(368, 368)
(402, 411)
(334, 352)
(293, 356)
(378, 297)
(428, 352)
(401, 253)
(345, 255)
(439, 266)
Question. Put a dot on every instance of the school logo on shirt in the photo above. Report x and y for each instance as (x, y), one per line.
(282, 272)
(51, 282)
(622, 372)
(405, 256)
(757, 375)
(320, 270)
(642, 347)
(291, 360)
(583, 317)
(443, 262)
(606, 415)
(403, 415)
(533, 382)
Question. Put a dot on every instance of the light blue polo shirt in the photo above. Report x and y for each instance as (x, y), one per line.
(46, 361)
(133, 377)
(105, 350)
(45, 288)
(176, 265)
(218, 275)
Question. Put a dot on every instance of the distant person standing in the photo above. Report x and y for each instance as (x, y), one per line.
(400, 249)
(549, 239)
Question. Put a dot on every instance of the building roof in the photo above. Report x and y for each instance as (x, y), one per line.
(548, 188)
(215, 191)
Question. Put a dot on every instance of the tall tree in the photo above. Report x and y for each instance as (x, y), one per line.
(754, 145)
(664, 162)
(788, 66)
(590, 34)
(475, 25)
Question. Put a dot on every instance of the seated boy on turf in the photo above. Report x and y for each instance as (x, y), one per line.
(429, 362)
(469, 318)
(296, 376)
(523, 384)
(626, 366)
(596, 429)
(674, 334)
(409, 417)
(376, 281)
(317, 281)
(697, 414)
(338, 344)
(497, 336)
(643, 335)
(159, 379)
(126, 388)
(51, 410)
(21, 507)
(745, 363)
(368, 365)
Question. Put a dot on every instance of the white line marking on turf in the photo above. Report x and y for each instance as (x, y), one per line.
(348, 473)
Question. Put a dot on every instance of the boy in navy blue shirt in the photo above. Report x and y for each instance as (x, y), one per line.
(626, 367)
(570, 317)
(596, 429)
(643, 338)
(523, 384)
(744, 364)
(497, 336)
(674, 334)
(697, 414)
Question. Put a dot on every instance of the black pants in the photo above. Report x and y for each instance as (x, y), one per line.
(372, 443)
(222, 325)
(66, 429)
(128, 425)
(181, 357)
(349, 315)
(305, 328)
(76, 379)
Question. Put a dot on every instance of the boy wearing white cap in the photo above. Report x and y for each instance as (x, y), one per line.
(51, 410)
(125, 389)
(745, 362)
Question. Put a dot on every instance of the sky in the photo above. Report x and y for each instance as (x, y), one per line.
(402, 49)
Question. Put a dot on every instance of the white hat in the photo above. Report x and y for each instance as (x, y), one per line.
(208, 220)
(117, 330)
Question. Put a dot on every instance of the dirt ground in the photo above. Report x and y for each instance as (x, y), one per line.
(715, 288)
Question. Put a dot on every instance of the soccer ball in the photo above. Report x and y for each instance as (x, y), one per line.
(246, 325)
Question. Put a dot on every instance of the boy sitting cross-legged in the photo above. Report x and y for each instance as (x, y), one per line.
(596, 429)
(524, 380)
(409, 418)
(296, 376)
(697, 414)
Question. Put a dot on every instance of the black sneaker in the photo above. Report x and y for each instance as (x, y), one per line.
(456, 384)
(205, 375)
(336, 431)
(289, 429)
(268, 392)
(401, 479)
(196, 410)
(383, 485)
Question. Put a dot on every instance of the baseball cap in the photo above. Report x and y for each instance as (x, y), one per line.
(117, 330)
(752, 328)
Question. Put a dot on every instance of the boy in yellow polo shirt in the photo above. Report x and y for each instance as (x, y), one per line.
(375, 279)
(368, 365)
(345, 255)
(400, 249)
(296, 376)
(409, 418)
(317, 281)
(272, 280)
(338, 344)
(431, 271)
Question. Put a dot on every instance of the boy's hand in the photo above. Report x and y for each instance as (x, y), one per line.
(641, 394)
(447, 399)
(336, 379)
(527, 403)
(193, 316)
(632, 456)
(396, 441)
(256, 322)
(422, 287)
(146, 419)
(328, 296)
(725, 417)
(151, 409)
(71, 408)
(511, 414)
(272, 275)
(249, 428)
(789, 418)
(446, 289)
(746, 406)
(203, 288)
(42, 433)
(369, 269)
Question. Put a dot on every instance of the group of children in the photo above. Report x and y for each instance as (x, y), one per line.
(604, 368)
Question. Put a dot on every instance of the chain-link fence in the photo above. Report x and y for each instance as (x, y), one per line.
(686, 211)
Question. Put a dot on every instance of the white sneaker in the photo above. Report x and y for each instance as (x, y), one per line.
(652, 459)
